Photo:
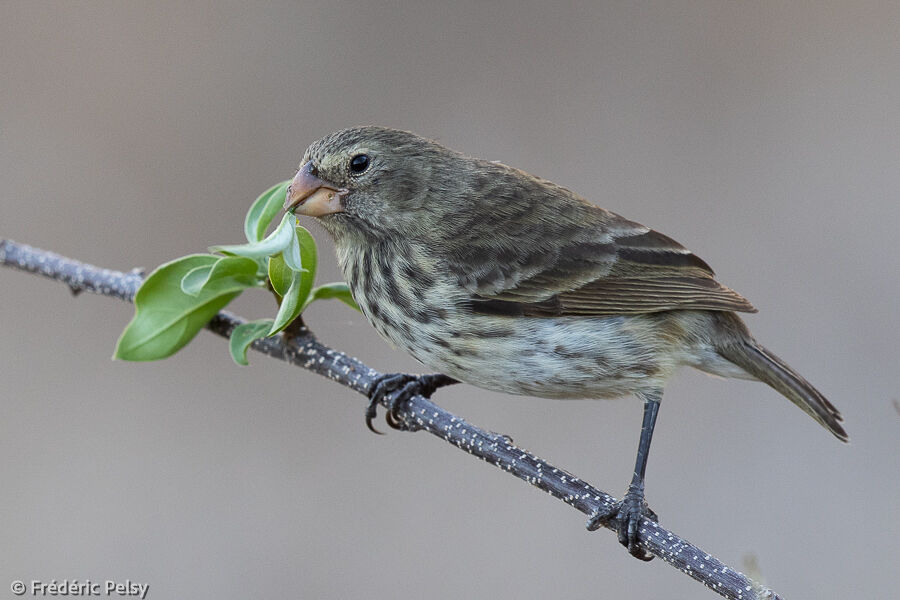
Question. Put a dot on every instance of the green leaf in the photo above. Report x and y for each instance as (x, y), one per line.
(244, 335)
(306, 247)
(166, 318)
(339, 291)
(277, 241)
(291, 254)
(264, 210)
(310, 255)
(194, 280)
(228, 266)
(279, 274)
(291, 305)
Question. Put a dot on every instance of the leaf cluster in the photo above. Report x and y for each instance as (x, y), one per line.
(180, 297)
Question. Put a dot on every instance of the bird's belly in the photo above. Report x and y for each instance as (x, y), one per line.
(549, 358)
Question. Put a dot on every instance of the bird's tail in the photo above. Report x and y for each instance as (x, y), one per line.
(746, 353)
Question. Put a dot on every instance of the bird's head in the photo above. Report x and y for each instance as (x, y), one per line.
(371, 182)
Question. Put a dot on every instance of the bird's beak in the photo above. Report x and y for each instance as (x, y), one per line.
(308, 195)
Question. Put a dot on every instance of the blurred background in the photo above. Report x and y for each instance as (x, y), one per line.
(765, 136)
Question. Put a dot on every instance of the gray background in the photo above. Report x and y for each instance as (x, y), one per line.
(764, 136)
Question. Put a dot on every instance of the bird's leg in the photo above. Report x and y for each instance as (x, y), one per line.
(397, 389)
(629, 511)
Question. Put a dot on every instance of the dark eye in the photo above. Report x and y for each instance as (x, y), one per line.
(359, 163)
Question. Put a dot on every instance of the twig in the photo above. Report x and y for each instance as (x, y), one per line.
(304, 350)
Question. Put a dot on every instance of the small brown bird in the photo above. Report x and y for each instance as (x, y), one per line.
(509, 282)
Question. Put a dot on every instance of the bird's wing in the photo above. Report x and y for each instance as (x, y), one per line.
(612, 267)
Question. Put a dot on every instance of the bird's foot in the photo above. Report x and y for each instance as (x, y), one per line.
(395, 389)
(627, 516)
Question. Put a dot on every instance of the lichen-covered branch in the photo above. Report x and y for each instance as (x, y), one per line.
(303, 349)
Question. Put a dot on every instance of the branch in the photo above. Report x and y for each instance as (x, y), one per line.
(304, 350)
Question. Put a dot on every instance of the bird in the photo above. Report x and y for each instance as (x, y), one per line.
(503, 280)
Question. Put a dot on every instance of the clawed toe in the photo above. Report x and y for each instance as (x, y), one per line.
(396, 389)
(627, 516)
(384, 385)
(371, 413)
(629, 521)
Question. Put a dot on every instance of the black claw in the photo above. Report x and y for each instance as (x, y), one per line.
(393, 421)
(630, 513)
(395, 389)
(627, 515)
(395, 403)
(385, 385)
(371, 413)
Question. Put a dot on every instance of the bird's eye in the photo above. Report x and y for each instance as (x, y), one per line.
(359, 163)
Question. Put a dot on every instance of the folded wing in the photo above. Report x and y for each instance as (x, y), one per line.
(611, 267)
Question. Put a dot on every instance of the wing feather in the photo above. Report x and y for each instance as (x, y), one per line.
(553, 253)
(638, 271)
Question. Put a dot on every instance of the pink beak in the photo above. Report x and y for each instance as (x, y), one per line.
(308, 195)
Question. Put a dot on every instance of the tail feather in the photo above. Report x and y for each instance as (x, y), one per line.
(770, 369)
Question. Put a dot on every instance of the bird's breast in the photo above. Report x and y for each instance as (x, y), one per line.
(404, 292)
